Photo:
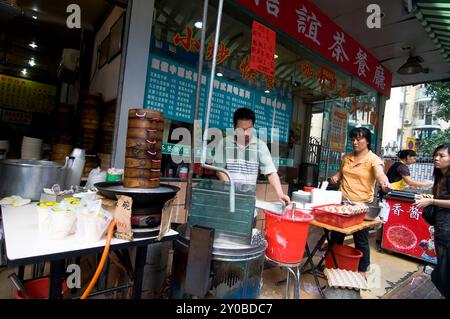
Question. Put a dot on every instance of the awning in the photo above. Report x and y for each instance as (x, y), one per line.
(435, 17)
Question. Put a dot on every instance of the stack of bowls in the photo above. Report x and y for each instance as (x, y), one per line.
(144, 148)
(31, 148)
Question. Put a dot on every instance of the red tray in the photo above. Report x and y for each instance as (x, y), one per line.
(337, 220)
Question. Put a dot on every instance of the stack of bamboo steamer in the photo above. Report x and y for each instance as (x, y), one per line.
(89, 116)
(107, 127)
(143, 149)
(60, 151)
(63, 123)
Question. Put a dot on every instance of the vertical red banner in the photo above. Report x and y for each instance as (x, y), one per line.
(262, 56)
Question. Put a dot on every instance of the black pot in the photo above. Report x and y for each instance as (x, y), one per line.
(151, 198)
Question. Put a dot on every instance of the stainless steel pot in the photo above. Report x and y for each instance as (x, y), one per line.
(28, 178)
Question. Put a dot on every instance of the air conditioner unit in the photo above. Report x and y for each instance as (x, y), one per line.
(68, 65)
(407, 122)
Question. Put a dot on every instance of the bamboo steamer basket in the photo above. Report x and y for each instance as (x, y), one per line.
(148, 144)
(94, 99)
(140, 182)
(146, 113)
(142, 172)
(143, 123)
(142, 163)
(144, 133)
(139, 153)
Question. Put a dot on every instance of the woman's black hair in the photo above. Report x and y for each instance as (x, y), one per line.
(243, 113)
(439, 178)
(403, 154)
(362, 132)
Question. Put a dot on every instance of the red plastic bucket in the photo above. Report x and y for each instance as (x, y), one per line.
(347, 258)
(286, 236)
(38, 288)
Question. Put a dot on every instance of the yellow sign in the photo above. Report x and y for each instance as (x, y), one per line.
(410, 144)
(26, 95)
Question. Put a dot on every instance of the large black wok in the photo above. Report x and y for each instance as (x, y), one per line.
(153, 199)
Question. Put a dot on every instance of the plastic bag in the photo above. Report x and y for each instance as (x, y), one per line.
(92, 221)
(384, 212)
(96, 176)
(55, 220)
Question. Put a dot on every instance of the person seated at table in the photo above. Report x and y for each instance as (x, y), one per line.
(358, 174)
(399, 175)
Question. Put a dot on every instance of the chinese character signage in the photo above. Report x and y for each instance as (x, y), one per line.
(26, 95)
(306, 23)
(15, 117)
(171, 88)
(263, 49)
(406, 232)
(338, 130)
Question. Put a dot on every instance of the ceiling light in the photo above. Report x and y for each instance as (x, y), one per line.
(275, 56)
(198, 24)
(219, 74)
(34, 17)
(33, 45)
(35, 8)
(412, 66)
(31, 62)
(24, 71)
(267, 91)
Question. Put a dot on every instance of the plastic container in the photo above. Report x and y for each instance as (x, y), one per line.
(308, 189)
(286, 236)
(39, 288)
(347, 258)
(337, 220)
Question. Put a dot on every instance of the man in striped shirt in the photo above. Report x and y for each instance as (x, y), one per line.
(244, 155)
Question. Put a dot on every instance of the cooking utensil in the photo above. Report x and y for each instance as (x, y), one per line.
(28, 178)
(151, 198)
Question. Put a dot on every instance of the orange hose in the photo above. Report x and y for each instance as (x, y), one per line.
(102, 260)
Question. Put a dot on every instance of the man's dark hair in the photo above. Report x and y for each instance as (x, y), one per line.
(243, 113)
(359, 132)
(403, 154)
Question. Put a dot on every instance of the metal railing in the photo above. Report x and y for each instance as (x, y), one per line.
(422, 170)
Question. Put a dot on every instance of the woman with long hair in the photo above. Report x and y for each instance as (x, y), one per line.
(441, 193)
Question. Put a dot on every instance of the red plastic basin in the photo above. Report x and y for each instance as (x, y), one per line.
(347, 258)
(38, 288)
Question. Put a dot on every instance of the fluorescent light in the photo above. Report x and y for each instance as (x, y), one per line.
(31, 62)
(33, 45)
(219, 74)
(24, 71)
(275, 56)
(198, 24)
(267, 91)
(34, 17)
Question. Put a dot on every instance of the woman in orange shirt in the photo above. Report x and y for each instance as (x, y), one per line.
(359, 172)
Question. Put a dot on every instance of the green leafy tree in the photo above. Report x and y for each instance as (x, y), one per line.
(427, 145)
(440, 93)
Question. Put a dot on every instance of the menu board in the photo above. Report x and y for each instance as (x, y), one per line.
(26, 95)
(338, 130)
(171, 88)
